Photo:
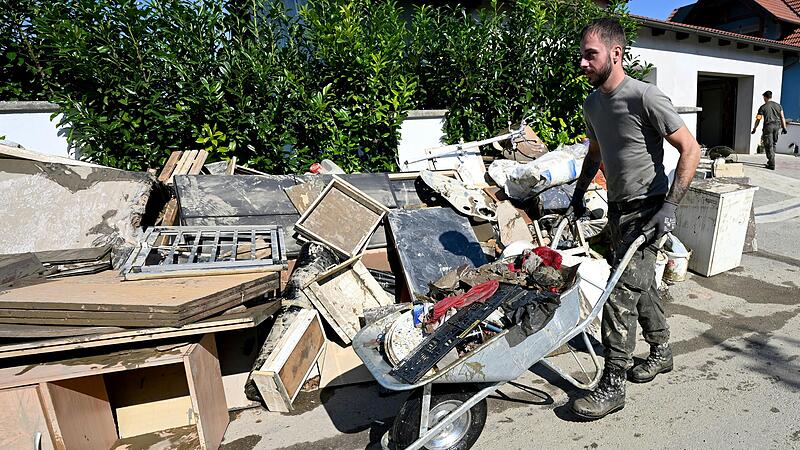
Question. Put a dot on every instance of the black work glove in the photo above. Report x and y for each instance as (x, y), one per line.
(664, 220)
(753, 131)
(577, 208)
(784, 131)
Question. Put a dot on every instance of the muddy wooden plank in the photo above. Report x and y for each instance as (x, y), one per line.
(207, 393)
(106, 336)
(342, 296)
(23, 331)
(431, 242)
(24, 267)
(105, 292)
(127, 319)
(74, 255)
(95, 364)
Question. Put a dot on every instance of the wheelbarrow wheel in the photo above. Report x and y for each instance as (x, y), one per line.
(461, 434)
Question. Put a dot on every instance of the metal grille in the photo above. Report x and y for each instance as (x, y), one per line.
(172, 249)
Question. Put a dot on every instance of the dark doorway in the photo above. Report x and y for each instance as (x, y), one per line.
(716, 123)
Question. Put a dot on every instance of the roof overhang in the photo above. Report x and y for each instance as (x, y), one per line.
(708, 33)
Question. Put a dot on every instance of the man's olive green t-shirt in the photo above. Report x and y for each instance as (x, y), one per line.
(629, 124)
(771, 113)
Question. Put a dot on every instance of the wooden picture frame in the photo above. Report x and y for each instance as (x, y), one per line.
(322, 221)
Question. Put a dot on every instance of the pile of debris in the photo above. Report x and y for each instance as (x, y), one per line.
(111, 279)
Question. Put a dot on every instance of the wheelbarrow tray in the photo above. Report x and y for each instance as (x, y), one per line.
(496, 360)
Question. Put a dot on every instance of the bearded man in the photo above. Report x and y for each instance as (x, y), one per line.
(626, 122)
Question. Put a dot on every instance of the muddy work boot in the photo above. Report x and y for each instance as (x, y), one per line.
(608, 396)
(659, 361)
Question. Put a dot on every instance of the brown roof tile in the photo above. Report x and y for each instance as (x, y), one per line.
(792, 39)
(781, 9)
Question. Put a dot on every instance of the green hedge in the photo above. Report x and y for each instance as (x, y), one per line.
(136, 80)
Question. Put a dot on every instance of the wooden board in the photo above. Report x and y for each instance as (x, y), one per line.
(208, 395)
(182, 163)
(303, 195)
(342, 296)
(296, 353)
(96, 364)
(18, 268)
(169, 166)
(251, 317)
(21, 417)
(341, 366)
(150, 399)
(18, 332)
(342, 217)
(174, 438)
(125, 319)
(80, 413)
(430, 242)
(105, 292)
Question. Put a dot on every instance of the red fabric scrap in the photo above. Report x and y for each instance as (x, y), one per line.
(550, 257)
(478, 293)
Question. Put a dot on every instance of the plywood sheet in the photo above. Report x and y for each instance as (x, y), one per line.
(100, 336)
(431, 242)
(341, 366)
(91, 364)
(106, 292)
(208, 395)
(21, 417)
(81, 409)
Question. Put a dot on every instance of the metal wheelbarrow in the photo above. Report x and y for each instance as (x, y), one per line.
(453, 417)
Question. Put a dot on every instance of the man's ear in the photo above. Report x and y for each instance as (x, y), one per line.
(616, 54)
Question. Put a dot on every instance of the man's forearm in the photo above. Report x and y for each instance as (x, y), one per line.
(588, 172)
(684, 174)
(756, 125)
(689, 149)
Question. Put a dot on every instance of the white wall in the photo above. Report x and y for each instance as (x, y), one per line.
(678, 64)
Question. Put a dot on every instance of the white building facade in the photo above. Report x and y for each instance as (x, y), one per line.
(722, 73)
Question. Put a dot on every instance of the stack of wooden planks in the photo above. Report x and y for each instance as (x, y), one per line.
(102, 299)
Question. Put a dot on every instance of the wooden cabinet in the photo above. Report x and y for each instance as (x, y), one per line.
(68, 402)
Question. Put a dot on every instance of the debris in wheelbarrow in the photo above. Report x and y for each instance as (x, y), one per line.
(460, 320)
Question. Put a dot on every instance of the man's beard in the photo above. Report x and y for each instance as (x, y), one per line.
(603, 74)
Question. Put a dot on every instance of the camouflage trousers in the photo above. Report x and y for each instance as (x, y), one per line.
(635, 299)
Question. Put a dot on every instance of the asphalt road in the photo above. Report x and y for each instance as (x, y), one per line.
(736, 338)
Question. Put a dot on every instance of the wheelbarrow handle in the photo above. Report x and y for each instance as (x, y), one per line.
(623, 263)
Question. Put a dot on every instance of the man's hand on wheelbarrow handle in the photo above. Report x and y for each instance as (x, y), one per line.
(662, 221)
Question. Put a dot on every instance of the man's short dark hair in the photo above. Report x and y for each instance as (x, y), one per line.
(767, 94)
(609, 31)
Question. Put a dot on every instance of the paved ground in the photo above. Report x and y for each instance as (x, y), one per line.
(736, 382)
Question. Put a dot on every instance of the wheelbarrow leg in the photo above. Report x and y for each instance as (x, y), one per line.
(426, 408)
